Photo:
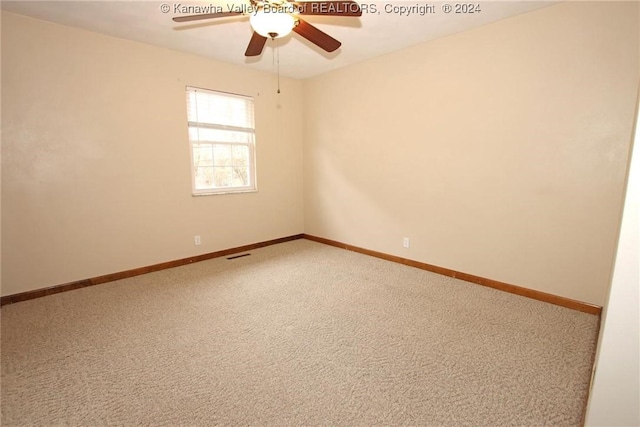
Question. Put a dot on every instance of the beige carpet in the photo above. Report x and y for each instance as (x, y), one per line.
(296, 334)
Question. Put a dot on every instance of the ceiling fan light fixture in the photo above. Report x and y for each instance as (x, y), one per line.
(272, 24)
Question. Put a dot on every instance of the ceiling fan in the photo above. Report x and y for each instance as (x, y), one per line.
(277, 18)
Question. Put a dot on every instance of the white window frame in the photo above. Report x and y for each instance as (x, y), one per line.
(250, 131)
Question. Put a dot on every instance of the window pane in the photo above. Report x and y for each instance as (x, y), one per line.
(222, 155)
(240, 154)
(220, 166)
(202, 155)
(204, 178)
(222, 177)
(241, 165)
(241, 176)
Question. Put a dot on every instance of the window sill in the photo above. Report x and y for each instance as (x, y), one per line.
(216, 193)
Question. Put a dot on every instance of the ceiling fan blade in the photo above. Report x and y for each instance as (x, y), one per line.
(189, 18)
(256, 44)
(315, 36)
(328, 8)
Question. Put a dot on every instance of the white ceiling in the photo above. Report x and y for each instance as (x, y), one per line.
(225, 39)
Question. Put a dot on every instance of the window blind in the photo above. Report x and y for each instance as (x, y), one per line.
(215, 110)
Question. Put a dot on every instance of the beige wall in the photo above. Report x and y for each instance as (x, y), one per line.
(499, 152)
(95, 158)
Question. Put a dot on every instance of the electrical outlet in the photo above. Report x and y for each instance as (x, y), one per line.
(196, 240)
(405, 242)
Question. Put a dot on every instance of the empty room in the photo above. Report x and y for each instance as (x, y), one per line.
(316, 213)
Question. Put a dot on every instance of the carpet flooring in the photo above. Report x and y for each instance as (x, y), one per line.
(298, 333)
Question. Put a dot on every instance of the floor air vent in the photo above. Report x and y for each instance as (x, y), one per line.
(238, 256)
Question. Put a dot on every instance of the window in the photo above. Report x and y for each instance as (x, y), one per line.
(222, 139)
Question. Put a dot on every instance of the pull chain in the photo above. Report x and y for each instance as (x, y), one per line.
(278, 64)
(276, 57)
